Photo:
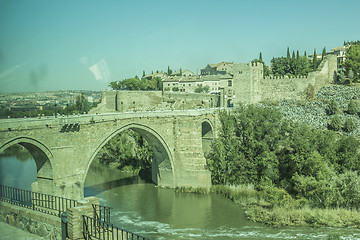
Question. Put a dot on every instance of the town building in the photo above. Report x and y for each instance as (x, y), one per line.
(340, 53)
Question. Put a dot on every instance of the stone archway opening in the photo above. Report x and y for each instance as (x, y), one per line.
(207, 136)
(230, 103)
(35, 171)
(151, 161)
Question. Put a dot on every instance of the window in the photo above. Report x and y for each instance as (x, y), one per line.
(230, 83)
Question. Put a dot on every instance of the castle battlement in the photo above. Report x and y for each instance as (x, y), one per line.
(285, 77)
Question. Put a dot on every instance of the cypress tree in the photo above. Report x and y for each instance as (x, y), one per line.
(169, 71)
(297, 55)
(288, 53)
(323, 54)
(143, 73)
(315, 63)
(305, 54)
(293, 55)
(260, 57)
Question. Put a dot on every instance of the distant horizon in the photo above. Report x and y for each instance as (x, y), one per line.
(85, 44)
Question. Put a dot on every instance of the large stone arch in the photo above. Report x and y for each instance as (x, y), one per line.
(43, 159)
(162, 164)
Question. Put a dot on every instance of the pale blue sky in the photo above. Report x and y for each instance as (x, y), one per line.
(51, 44)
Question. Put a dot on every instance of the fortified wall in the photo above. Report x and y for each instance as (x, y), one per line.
(124, 101)
(247, 85)
(251, 87)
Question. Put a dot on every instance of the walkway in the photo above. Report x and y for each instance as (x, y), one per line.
(8, 232)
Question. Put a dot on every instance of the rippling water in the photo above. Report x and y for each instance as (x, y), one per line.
(157, 213)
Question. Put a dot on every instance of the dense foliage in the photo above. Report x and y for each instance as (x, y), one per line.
(292, 66)
(287, 160)
(352, 63)
(135, 83)
(128, 151)
(202, 89)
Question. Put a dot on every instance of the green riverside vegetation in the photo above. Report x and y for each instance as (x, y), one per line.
(293, 175)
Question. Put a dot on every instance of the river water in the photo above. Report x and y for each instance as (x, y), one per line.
(158, 213)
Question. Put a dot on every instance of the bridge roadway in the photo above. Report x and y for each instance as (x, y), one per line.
(64, 147)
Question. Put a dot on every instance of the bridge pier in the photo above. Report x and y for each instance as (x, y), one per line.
(44, 186)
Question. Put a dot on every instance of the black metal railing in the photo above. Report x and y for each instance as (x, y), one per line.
(37, 201)
(96, 229)
(101, 213)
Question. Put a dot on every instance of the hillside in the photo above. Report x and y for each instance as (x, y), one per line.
(314, 112)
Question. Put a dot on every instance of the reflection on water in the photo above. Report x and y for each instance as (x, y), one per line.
(159, 213)
(17, 172)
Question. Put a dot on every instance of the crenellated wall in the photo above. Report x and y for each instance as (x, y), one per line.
(250, 86)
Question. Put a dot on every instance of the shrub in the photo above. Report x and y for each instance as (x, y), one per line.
(310, 92)
(335, 123)
(349, 125)
(333, 107)
(352, 109)
(175, 89)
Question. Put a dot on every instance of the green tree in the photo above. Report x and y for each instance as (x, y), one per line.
(335, 123)
(348, 156)
(315, 61)
(131, 83)
(351, 76)
(114, 85)
(260, 57)
(341, 77)
(143, 74)
(349, 125)
(333, 107)
(288, 53)
(351, 108)
(323, 54)
(82, 105)
(175, 89)
(127, 149)
(202, 89)
(353, 60)
(169, 71)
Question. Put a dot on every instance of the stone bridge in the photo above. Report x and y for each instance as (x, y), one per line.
(64, 147)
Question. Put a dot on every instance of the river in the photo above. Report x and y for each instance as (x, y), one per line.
(158, 213)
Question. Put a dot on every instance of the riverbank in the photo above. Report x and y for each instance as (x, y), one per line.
(260, 207)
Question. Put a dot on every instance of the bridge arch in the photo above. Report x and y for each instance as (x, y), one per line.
(43, 159)
(207, 135)
(162, 164)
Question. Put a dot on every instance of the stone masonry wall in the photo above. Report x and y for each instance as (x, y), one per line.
(125, 101)
(250, 86)
(44, 225)
(75, 219)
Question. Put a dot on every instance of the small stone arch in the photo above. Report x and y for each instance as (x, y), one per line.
(230, 103)
(43, 159)
(207, 135)
(162, 164)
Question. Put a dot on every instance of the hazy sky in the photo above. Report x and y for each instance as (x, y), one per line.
(84, 44)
